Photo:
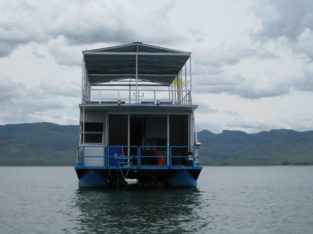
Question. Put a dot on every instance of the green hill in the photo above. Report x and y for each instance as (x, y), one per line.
(51, 144)
(38, 144)
(263, 148)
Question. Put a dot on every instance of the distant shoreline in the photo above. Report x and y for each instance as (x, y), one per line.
(48, 144)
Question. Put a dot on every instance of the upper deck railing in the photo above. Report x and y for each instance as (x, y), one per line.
(143, 96)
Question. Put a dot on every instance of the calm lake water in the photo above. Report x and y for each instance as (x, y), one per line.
(227, 200)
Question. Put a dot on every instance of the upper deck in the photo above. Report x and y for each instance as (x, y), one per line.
(136, 74)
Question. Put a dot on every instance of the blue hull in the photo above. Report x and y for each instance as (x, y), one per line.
(92, 179)
(182, 179)
(146, 178)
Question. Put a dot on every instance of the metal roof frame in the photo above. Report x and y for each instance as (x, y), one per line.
(135, 60)
(134, 45)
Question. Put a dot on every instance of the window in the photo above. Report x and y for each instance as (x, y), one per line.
(93, 133)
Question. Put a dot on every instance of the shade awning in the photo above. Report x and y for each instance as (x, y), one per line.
(155, 64)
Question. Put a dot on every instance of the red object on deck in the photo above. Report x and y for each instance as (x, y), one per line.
(162, 160)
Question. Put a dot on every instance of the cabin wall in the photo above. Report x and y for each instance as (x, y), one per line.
(97, 122)
(150, 131)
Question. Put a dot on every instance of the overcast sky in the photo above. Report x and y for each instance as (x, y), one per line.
(252, 60)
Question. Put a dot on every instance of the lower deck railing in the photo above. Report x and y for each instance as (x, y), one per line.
(117, 156)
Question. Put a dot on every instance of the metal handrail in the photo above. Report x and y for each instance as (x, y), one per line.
(141, 158)
(130, 96)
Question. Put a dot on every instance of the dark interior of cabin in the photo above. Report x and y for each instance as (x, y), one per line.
(150, 132)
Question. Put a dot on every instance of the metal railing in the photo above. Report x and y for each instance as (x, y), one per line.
(136, 156)
(142, 96)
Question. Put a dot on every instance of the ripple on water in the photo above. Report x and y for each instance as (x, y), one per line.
(227, 200)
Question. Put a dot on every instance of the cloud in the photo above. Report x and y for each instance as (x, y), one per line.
(287, 18)
(303, 44)
(6, 48)
(64, 54)
(19, 24)
(6, 88)
(276, 60)
(204, 107)
(21, 104)
(63, 88)
(83, 23)
(267, 69)
(258, 86)
(86, 22)
(254, 87)
(302, 123)
(250, 124)
(223, 56)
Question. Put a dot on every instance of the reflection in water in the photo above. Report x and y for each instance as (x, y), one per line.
(130, 211)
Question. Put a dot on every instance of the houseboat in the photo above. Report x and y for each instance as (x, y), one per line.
(137, 118)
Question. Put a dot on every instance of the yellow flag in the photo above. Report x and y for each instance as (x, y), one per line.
(178, 82)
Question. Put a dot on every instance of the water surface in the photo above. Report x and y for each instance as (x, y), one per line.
(227, 200)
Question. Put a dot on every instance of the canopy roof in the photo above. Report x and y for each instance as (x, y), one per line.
(155, 64)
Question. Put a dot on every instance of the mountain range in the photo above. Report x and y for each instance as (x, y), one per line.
(52, 144)
(264, 148)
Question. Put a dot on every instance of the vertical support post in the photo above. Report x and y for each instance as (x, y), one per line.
(193, 138)
(138, 156)
(171, 90)
(83, 156)
(195, 148)
(178, 87)
(80, 127)
(137, 96)
(83, 125)
(186, 87)
(104, 138)
(80, 111)
(168, 138)
(106, 160)
(173, 93)
(87, 90)
(190, 142)
(190, 98)
(129, 91)
(107, 139)
(106, 142)
(181, 87)
(86, 87)
(83, 80)
(108, 155)
(154, 96)
(128, 139)
(170, 156)
(174, 89)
